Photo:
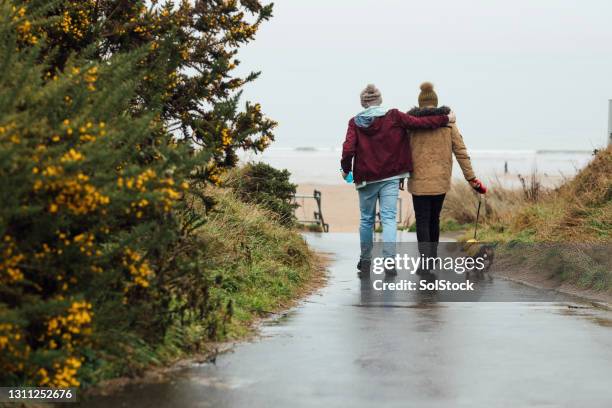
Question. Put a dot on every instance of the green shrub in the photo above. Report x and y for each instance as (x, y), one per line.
(108, 264)
(87, 211)
(262, 184)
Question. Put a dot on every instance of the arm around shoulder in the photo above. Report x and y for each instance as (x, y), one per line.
(425, 122)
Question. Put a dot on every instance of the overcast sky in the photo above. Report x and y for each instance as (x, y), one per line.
(521, 74)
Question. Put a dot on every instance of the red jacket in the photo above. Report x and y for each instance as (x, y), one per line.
(383, 149)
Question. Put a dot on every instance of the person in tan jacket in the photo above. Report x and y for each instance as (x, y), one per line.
(430, 180)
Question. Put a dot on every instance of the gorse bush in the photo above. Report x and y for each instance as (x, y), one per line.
(198, 39)
(101, 269)
(87, 205)
(262, 184)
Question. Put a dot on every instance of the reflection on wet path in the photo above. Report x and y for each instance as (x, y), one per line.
(351, 346)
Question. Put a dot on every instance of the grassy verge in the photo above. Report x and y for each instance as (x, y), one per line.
(263, 266)
(310, 227)
(255, 266)
(573, 220)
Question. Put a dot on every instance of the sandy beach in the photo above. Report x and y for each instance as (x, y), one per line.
(340, 205)
(318, 168)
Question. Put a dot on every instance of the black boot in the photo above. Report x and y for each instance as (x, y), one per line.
(390, 271)
(422, 271)
(364, 269)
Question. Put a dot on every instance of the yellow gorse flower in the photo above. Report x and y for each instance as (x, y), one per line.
(24, 26)
(10, 270)
(65, 331)
(139, 269)
(226, 138)
(74, 193)
(72, 156)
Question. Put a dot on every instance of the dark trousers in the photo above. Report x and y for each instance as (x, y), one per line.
(427, 212)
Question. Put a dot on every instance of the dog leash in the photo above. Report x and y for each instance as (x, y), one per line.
(477, 215)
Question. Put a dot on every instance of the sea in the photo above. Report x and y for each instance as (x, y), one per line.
(321, 165)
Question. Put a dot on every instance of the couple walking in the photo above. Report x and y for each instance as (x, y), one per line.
(382, 148)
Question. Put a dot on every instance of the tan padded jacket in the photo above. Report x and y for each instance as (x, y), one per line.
(432, 157)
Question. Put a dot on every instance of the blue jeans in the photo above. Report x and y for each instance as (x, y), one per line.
(386, 193)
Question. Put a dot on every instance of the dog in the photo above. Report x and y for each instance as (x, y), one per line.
(486, 253)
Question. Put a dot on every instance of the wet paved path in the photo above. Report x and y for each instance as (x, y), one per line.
(349, 347)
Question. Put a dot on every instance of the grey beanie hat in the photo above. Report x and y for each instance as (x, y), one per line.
(371, 96)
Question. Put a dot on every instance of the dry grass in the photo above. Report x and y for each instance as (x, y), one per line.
(578, 211)
(566, 231)
(461, 204)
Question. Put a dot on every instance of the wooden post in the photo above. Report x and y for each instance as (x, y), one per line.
(610, 122)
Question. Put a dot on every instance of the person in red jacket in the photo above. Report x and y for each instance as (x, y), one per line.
(377, 152)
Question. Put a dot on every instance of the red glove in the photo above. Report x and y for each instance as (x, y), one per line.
(478, 186)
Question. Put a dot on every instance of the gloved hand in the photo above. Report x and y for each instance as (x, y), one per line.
(348, 177)
(478, 186)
